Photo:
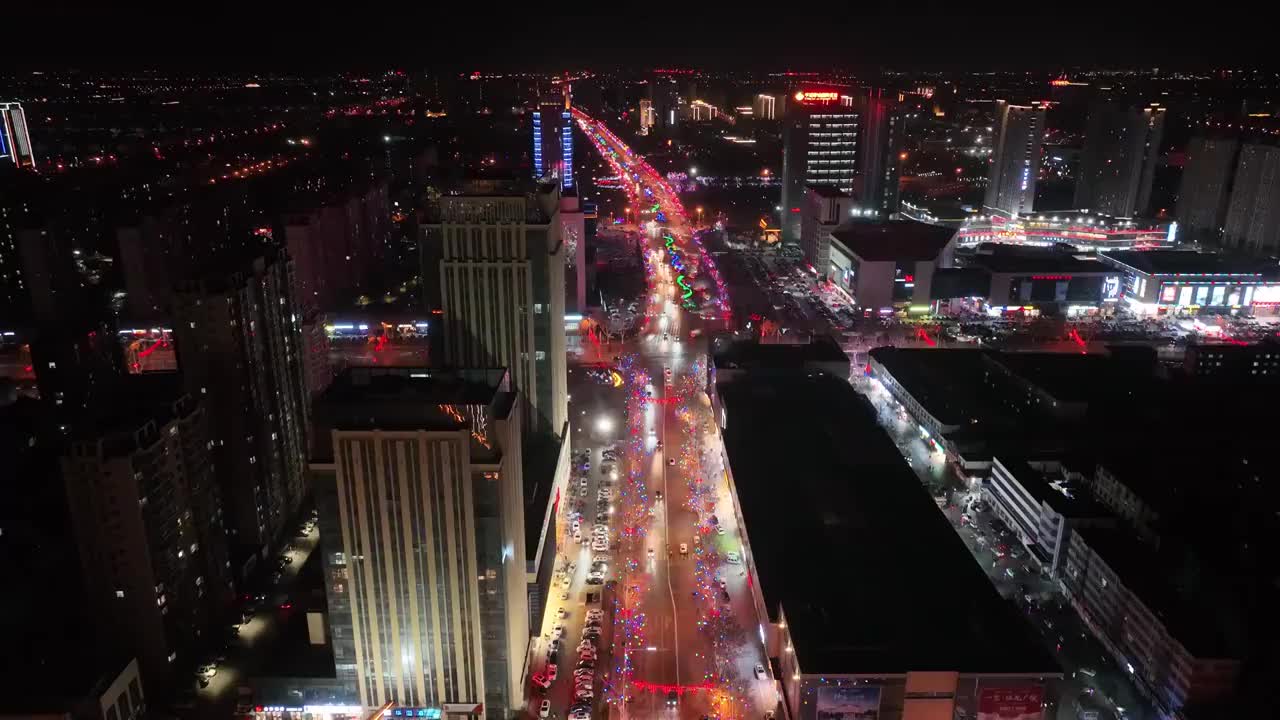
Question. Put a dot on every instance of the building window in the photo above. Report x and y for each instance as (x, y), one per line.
(119, 593)
(540, 355)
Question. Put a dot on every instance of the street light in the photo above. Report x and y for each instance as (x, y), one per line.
(604, 424)
(693, 171)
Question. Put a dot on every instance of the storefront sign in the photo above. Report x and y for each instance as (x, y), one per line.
(1011, 703)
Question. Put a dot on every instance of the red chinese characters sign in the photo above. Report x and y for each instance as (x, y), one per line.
(1011, 703)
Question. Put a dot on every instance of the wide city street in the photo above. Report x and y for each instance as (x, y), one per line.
(651, 610)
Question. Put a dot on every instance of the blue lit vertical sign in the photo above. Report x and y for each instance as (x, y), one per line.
(566, 150)
(538, 167)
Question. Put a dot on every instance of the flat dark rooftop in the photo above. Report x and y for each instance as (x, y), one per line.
(1180, 597)
(1079, 504)
(1183, 262)
(1068, 377)
(729, 353)
(367, 398)
(901, 241)
(871, 576)
(1001, 259)
(940, 380)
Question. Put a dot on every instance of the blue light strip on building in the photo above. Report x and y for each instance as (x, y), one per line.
(566, 150)
(538, 167)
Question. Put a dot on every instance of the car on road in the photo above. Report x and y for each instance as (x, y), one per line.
(552, 671)
(544, 709)
(671, 462)
(672, 698)
(1088, 671)
(541, 681)
(732, 558)
(760, 674)
(684, 548)
(719, 529)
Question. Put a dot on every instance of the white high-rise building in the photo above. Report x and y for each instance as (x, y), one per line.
(419, 492)
(1015, 165)
(501, 275)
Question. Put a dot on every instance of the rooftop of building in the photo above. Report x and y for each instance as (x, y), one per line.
(826, 191)
(131, 414)
(1188, 262)
(1051, 488)
(1058, 374)
(870, 575)
(938, 380)
(371, 398)
(1181, 595)
(1022, 259)
(894, 241)
(728, 352)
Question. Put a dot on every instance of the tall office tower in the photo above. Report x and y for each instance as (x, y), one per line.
(553, 138)
(819, 148)
(768, 106)
(1253, 213)
(1121, 149)
(147, 519)
(1015, 165)
(882, 131)
(419, 488)
(15, 139)
(646, 116)
(499, 260)
(1206, 179)
(239, 349)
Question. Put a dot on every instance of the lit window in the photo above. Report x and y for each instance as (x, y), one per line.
(52, 365)
(119, 593)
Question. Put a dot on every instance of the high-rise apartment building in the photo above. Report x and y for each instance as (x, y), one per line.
(1015, 163)
(147, 518)
(500, 267)
(882, 131)
(819, 148)
(552, 126)
(418, 484)
(1121, 149)
(15, 138)
(1253, 213)
(1206, 182)
(238, 341)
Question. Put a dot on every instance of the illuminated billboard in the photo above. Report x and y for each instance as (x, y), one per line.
(848, 703)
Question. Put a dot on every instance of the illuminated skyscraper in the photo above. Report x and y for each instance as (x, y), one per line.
(498, 263)
(820, 148)
(1011, 183)
(15, 140)
(421, 503)
(553, 138)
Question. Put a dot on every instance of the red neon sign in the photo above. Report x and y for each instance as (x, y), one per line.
(1050, 277)
(817, 96)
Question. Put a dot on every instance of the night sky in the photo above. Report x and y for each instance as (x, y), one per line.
(546, 35)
